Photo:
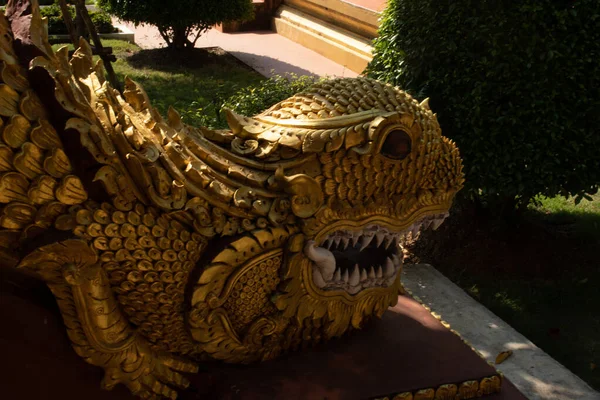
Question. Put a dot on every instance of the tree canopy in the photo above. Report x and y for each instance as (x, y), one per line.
(180, 22)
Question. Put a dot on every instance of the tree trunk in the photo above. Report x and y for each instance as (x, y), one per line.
(81, 30)
(180, 40)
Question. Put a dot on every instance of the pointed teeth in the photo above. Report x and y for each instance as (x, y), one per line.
(337, 240)
(389, 267)
(372, 273)
(327, 243)
(345, 277)
(437, 223)
(365, 241)
(355, 277)
(345, 242)
(396, 259)
(363, 275)
(354, 240)
(379, 272)
(379, 237)
(388, 241)
(338, 275)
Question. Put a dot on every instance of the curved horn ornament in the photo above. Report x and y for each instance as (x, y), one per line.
(323, 259)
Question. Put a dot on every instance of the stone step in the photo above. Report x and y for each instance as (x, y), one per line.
(326, 38)
(348, 15)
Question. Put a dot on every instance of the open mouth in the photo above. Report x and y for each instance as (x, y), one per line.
(353, 261)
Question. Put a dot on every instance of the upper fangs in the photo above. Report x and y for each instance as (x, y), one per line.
(325, 274)
(381, 234)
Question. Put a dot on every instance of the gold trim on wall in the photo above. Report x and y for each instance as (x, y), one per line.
(471, 389)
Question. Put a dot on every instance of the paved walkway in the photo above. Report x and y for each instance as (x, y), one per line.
(375, 5)
(265, 51)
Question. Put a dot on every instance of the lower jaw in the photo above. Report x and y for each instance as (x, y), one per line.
(375, 283)
(378, 272)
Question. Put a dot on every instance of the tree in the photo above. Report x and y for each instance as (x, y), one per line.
(515, 83)
(180, 22)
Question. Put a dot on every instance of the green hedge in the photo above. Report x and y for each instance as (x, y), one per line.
(516, 84)
(56, 24)
(249, 101)
(102, 21)
(256, 99)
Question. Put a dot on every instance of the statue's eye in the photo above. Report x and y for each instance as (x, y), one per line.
(397, 145)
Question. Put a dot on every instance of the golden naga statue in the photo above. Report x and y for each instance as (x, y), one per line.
(166, 244)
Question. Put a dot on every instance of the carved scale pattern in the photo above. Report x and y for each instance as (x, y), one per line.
(148, 258)
(343, 97)
(250, 297)
(36, 181)
(362, 179)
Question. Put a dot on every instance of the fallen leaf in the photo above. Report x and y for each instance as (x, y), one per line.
(502, 356)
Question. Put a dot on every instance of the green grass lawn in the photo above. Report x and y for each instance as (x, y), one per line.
(542, 276)
(194, 83)
(582, 218)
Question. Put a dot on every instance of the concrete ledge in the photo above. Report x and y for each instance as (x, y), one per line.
(123, 34)
(537, 375)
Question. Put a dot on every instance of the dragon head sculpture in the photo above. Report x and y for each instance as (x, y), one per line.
(351, 166)
(234, 244)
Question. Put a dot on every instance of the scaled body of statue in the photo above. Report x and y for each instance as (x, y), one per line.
(166, 244)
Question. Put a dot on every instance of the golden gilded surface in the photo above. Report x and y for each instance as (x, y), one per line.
(164, 243)
(466, 390)
(100, 333)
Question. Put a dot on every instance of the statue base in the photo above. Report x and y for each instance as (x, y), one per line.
(409, 354)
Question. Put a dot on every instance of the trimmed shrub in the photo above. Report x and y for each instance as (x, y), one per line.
(515, 84)
(102, 22)
(249, 101)
(57, 26)
(255, 99)
(180, 22)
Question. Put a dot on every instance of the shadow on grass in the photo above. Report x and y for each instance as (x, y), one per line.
(194, 82)
(583, 225)
(168, 60)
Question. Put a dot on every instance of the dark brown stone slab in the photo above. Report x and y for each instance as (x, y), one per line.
(37, 360)
(409, 349)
